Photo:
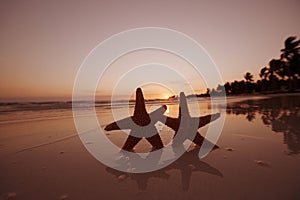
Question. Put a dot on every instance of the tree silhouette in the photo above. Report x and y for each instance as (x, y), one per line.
(278, 76)
(248, 77)
(228, 88)
(272, 73)
(290, 56)
(238, 87)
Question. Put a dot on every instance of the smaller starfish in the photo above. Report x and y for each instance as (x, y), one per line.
(186, 125)
(141, 124)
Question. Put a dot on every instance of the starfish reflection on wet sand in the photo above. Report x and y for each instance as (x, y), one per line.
(141, 124)
(188, 163)
(184, 124)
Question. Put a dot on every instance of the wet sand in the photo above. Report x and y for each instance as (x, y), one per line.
(258, 159)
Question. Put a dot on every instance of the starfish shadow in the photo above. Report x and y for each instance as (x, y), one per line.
(188, 163)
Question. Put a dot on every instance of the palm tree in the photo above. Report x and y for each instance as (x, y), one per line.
(290, 56)
(272, 73)
(228, 88)
(291, 47)
(248, 77)
(238, 87)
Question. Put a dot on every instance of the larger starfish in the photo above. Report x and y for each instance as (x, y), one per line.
(186, 125)
(141, 124)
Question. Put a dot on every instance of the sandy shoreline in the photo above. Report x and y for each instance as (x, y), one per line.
(45, 159)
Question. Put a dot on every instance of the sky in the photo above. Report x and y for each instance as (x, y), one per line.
(43, 43)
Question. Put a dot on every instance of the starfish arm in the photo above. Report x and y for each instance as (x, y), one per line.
(183, 106)
(173, 123)
(199, 139)
(158, 114)
(130, 142)
(140, 107)
(207, 119)
(155, 141)
(125, 123)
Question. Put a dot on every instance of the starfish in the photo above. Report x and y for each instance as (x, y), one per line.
(185, 125)
(141, 124)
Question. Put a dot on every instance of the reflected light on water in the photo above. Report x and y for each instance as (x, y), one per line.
(168, 109)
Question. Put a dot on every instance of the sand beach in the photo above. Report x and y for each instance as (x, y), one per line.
(42, 157)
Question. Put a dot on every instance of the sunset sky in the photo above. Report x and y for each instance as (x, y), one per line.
(43, 43)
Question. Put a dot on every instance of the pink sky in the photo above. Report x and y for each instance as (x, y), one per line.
(43, 43)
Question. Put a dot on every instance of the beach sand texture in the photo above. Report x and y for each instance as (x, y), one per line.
(42, 157)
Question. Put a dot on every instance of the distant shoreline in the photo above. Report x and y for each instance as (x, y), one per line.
(172, 100)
